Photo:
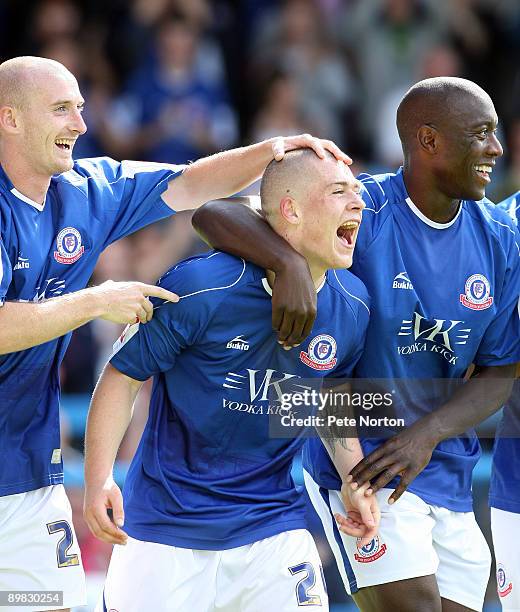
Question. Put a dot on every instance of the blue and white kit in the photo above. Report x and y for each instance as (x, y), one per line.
(504, 488)
(48, 250)
(444, 296)
(208, 479)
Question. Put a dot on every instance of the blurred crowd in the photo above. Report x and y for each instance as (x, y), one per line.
(174, 80)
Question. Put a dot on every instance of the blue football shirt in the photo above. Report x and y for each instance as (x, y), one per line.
(47, 251)
(444, 296)
(504, 489)
(207, 474)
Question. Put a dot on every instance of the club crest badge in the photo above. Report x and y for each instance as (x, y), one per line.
(477, 293)
(69, 247)
(504, 586)
(371, 551)
(321, 354)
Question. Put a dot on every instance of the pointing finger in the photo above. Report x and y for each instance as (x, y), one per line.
(159, 292)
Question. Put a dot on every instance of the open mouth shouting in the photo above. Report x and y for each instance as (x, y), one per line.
(347, 233)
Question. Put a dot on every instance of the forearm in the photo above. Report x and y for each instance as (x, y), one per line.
(108, 419)
(27, 324)
(239, 230)
(472, 403)
(218, 176)
(344, 453)
(232, 170)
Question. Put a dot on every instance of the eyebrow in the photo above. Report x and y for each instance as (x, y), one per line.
(65, 102)
(355, 183)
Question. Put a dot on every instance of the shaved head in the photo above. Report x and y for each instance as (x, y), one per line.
(315, 205)
(21, 76)
(437, 102)
(294, 176)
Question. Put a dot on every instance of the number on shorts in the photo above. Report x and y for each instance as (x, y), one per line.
(63, 546)
(303, 587)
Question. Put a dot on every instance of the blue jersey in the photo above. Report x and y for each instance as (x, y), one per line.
(48, 251)
(207, 474)
(504, 489)
(444, 296)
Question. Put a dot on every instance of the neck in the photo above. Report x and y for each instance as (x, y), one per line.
(24, 178)
(423, 192)
(317, 277)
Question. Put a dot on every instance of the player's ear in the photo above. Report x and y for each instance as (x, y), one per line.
(289, 210)
(9, 119)
(427, 137)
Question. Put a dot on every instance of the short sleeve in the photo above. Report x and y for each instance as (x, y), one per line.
(5, 272)
(126, 195)
(501, 342)
(345, 368)
(147, 349)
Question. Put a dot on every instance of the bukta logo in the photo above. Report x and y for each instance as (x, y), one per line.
(401, 281)
(238, 343)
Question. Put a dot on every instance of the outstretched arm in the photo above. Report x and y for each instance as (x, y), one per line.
(27, 324)
(408, 453)
(228, 172)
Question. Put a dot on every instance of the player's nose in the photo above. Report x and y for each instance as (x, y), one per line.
(79, 124)
(494, 147)
(356, 202)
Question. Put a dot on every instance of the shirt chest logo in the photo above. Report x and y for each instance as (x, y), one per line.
(238, 343)
(22, 263)
(321, 354)
(69, 247)
(401, 281)
(477, 293)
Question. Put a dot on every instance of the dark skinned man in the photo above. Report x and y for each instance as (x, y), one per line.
(443, 273)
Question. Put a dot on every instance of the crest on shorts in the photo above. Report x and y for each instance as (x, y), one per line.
(477, 293)
(68, 243)
(504, 586)
(371, 551)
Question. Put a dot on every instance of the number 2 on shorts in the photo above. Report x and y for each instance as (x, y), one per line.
(304, 585)
(64, 544)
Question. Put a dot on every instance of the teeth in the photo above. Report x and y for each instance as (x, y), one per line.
(484, 168)
(64, 141)
(349, 225)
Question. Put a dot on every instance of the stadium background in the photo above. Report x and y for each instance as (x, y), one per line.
(173, 80)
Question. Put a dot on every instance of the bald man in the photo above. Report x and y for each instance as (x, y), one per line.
(56, 217)
(442, 267)
(212, 518)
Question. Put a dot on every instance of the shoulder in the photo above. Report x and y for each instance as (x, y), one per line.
(209, 276)
(351, 290)
(380, 189)
(379, 193)
(495, 220)
(105, 170)
(511, 206)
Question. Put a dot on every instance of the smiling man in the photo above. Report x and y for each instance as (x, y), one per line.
(209, 496)
(57, 215)
(442, 267)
